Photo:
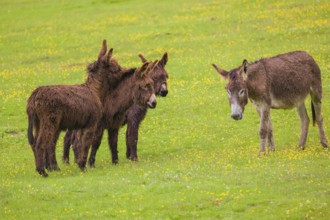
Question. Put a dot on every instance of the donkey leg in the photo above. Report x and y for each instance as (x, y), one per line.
(304, 121)
(113, 141)
(319, 120)
(40, 153)
(263, 131)
(86, 138)
(33, 146)
(95, 145)
(76, 144)
(51, 153)
(66, 147)
(271, 144)
(132, 135)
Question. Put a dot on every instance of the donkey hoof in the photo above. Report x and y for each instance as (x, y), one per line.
(82, 166)
(42, 173)
(299, 148)
(83, 169)
(272, 148)
(57, 169)
(115, 162)
(54, 168)
(133, 159)
(262, 153)
(325, 145)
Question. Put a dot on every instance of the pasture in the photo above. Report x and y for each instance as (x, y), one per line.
(195, 162)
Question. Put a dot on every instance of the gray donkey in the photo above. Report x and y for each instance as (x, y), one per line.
(279, 82)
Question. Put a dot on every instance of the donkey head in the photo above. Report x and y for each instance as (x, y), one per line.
(144, 86)
(159, 75)
(236, 89)
(106, 67)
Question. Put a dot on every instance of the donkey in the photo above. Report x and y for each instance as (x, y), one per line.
(134, 89)
(136, 113)
(279, 82)
(51, 109)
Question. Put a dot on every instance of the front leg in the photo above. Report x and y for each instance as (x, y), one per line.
(264, 123)
(113, 141)
(132, 135)
(97, 139)
(85, 138)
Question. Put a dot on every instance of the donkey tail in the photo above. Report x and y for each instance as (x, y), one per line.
(313, 113)
(31, 120)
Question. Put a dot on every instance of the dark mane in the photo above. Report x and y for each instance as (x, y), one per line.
(92, 67)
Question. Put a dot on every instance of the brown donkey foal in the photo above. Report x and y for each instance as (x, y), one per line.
(136, 113)
(134, 89)
(279, 82)
(51, 109)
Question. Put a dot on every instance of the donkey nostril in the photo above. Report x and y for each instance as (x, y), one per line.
(236, 116)
(163, 93)
(153, 104)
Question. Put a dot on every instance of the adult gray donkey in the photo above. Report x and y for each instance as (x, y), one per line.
(279, 82)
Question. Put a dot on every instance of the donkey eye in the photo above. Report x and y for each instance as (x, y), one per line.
(241, 92)
(145, 87)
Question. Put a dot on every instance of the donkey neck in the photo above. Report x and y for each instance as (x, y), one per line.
(122, 97)
(98, 88)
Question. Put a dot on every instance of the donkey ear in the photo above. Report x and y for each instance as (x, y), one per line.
(224, 74)
(151, 66)
(143, 59)
(103, 50)
(109, 55)
(245, 65)
(164, 60)
(142, 70)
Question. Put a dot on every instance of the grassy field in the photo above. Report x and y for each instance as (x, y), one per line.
(195, 162)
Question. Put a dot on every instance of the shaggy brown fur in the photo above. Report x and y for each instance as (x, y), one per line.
(136, 113)
(279, 82)
(135, 89)
(51, 109)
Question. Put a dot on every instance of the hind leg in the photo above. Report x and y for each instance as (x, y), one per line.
(113, 141)
(51, 153)
(40, 153)
(76, 144)
(304, 122)
(271, 144)
(96, 144)
(86, 140)
(319, 121)
(33, 146)
(66, 147)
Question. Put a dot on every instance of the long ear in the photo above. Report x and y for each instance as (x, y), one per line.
(151, 66)
(222, 72)
(164, 60)
(143, 59)
(245, 65)
(103, 50)
(142, 69)
(109, 55)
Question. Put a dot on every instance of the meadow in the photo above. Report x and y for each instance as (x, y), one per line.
(195, 162)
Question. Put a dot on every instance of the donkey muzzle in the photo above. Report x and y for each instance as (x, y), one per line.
(236, 111)
(163, 91)
(152, 101)
(236, 116)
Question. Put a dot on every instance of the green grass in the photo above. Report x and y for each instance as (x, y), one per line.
(194, 160)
